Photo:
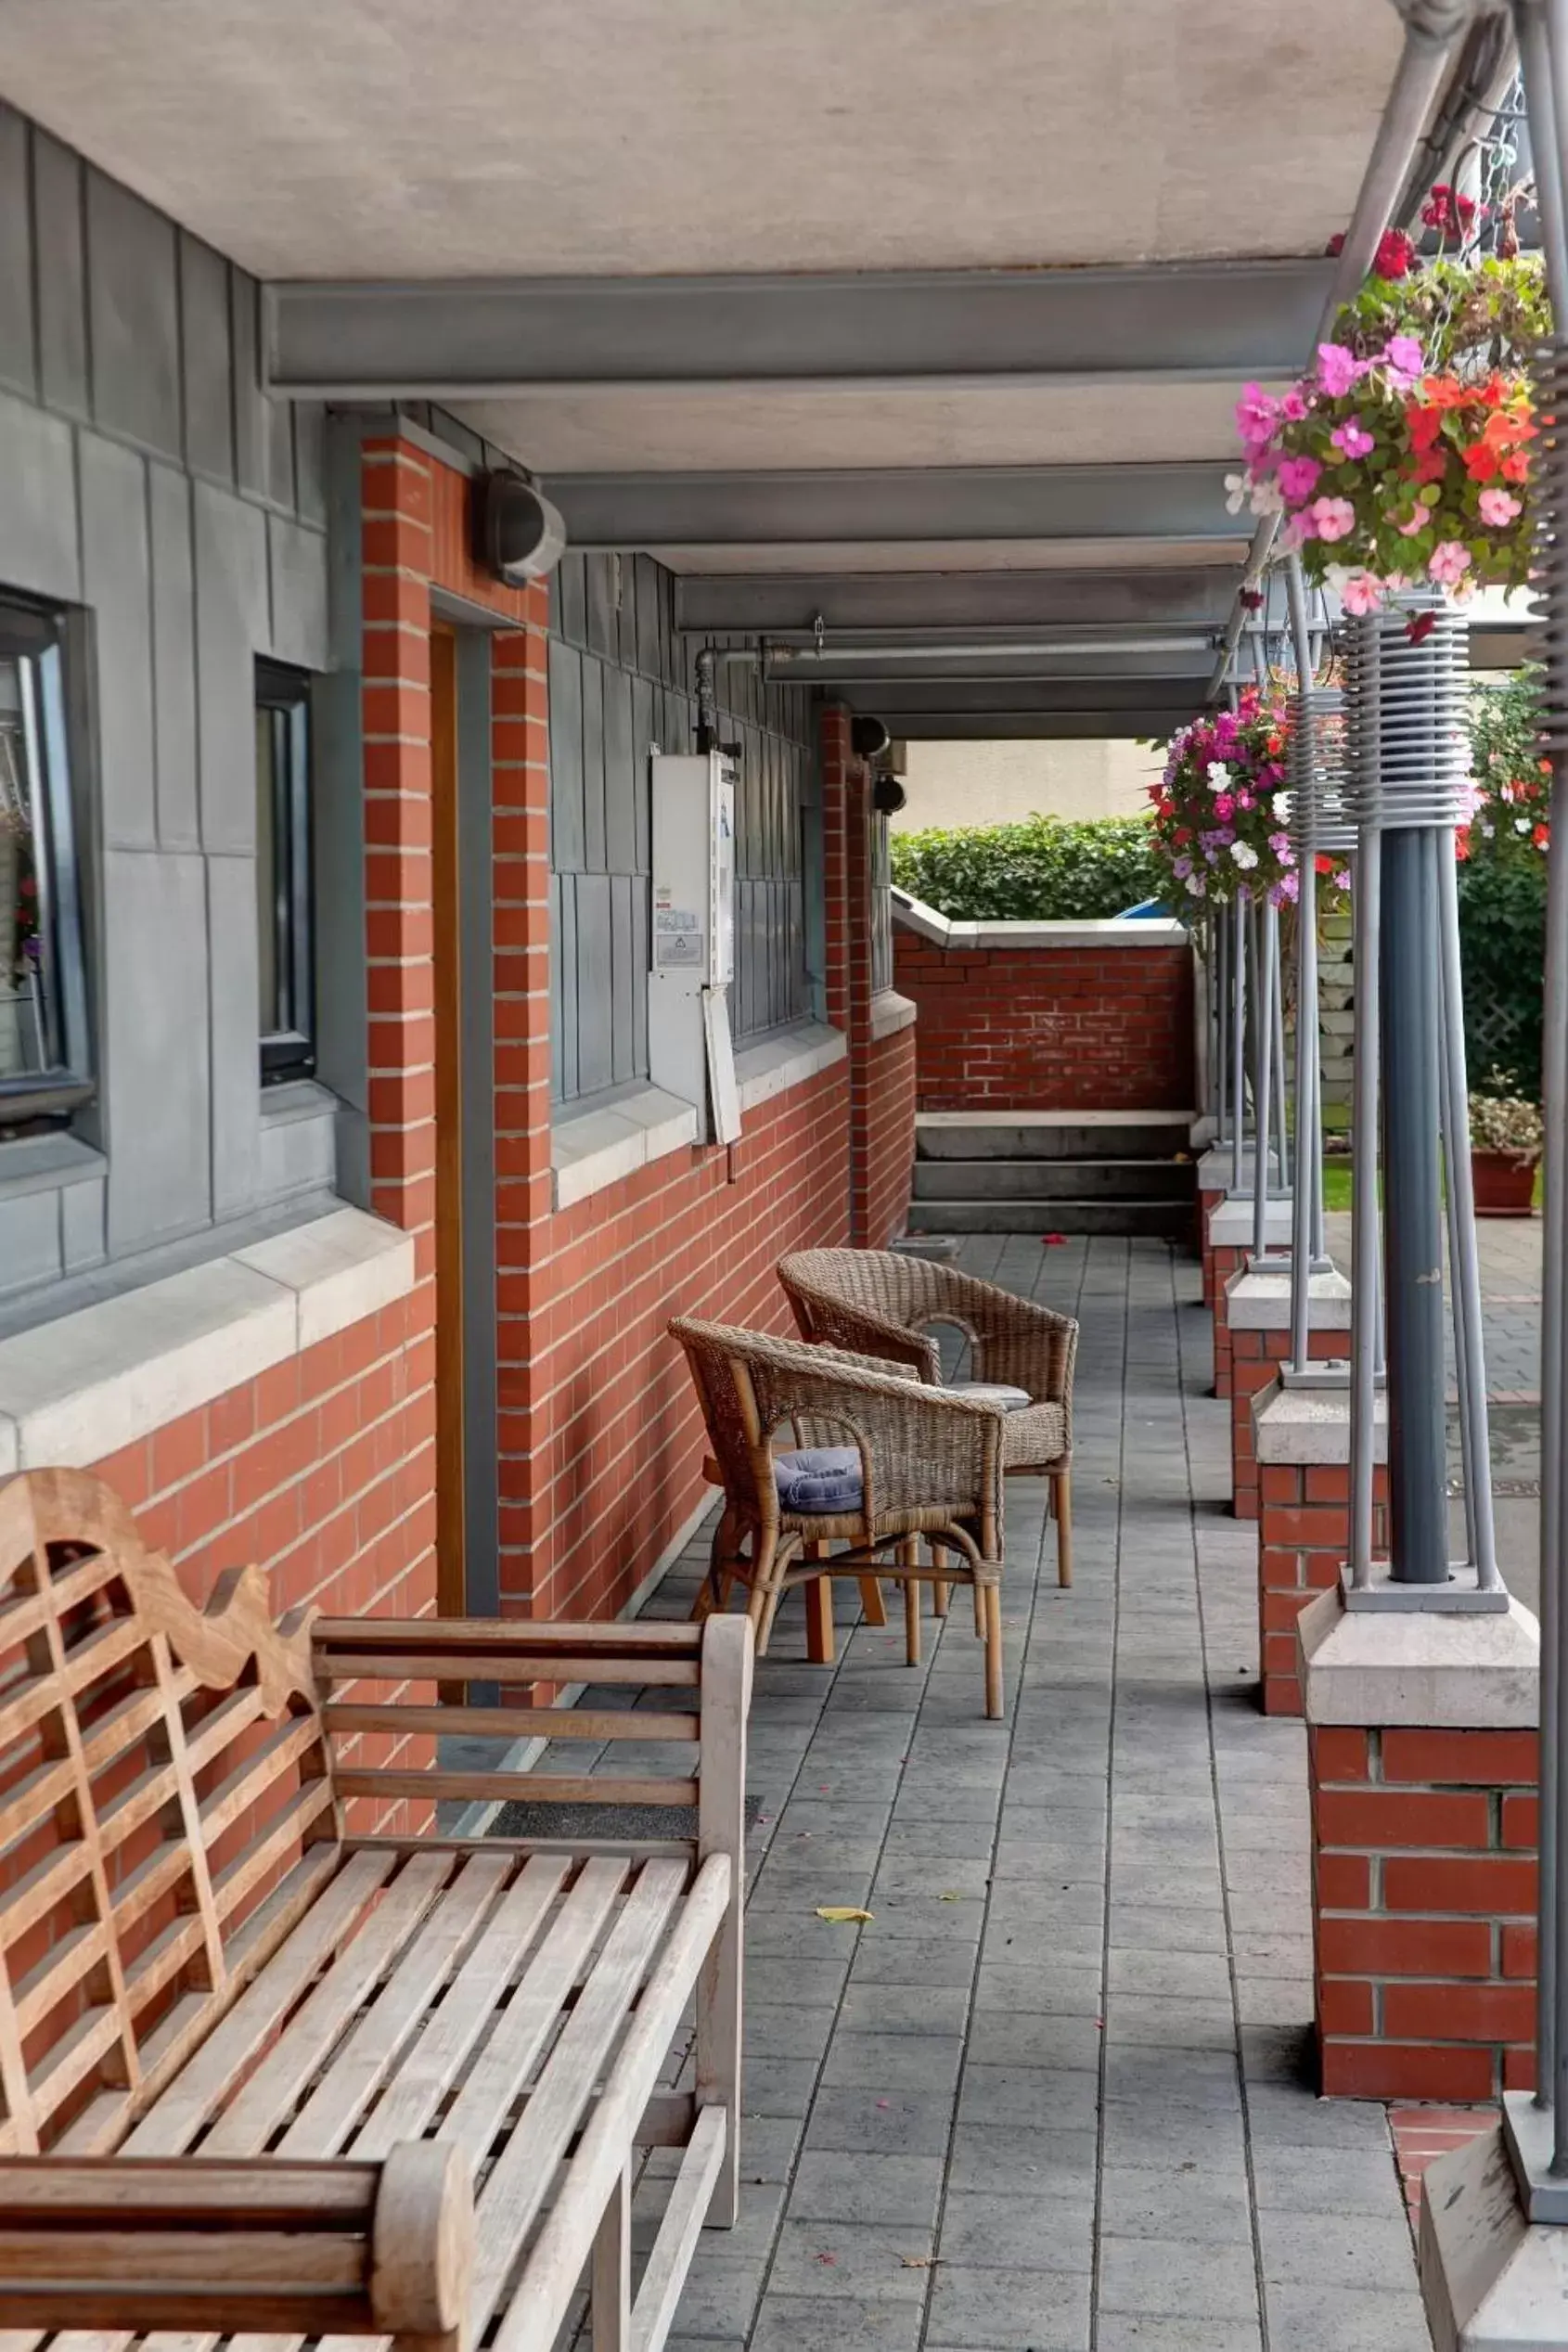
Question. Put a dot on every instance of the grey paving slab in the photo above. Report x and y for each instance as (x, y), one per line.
(1056, 2094)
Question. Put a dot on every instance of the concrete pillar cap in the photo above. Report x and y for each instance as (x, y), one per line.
(1230, 1224)
(1261, 1301)
(1419, 1669)
(1309, 1428)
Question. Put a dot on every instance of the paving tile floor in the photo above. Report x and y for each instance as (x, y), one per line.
(1053, 2095)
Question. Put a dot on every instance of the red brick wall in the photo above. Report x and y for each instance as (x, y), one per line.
(1303, 1538)
(1255, 1358)
(1050, 1028)
(1423, 1910)
(886, 1135)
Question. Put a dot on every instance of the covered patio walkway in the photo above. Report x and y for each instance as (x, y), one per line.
(1054, 2093)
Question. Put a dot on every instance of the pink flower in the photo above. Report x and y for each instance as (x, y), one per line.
(1224, 806)
(1404, 360)
(1298, 478)
(1256, 413)
(1352, 438)
(1418, 521)
(1360, 593)
(1292, 405)
(1333, 518)
(1497, 507)
(1336, 368)
(1298, 529)
(1278, 843)
(1448, 562)
(1342, 880)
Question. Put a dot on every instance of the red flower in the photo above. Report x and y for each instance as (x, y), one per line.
(1461, 842)
(1324, 865)
(1394, 255)
(1420, 627)
(1541, 836)
(1430, 466)
(1423, 424)
(1336, 242)
(1447, 210)
(1482, 461)
(1516, 467)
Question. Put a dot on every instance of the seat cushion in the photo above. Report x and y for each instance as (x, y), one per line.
(825, 1478)
(1013, 1400)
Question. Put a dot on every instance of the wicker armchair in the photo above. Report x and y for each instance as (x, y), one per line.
(884, 1303)
(928, 1465)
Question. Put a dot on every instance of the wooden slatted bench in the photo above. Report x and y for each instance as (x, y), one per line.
(278, 2063)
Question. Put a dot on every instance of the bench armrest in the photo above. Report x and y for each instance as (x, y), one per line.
(203, 2244)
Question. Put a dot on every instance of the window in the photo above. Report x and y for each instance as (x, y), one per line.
(43, 978)
(283, 874)
(881, 903)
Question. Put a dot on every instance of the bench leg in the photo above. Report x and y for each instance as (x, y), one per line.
(720, 1826)
(613, 2271)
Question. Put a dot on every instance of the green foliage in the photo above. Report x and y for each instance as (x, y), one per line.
(1502, 880)
(1044, 869)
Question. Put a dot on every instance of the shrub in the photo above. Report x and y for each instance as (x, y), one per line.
(1043, 869)
(1502, 882)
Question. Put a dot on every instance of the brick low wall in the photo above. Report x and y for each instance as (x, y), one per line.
(1423, 1856)
(1014, 1020)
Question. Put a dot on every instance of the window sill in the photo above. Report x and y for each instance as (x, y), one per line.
(78, 1389)
(46, 1163)
(775, 1064)
(891, 1012)
(596, 1146)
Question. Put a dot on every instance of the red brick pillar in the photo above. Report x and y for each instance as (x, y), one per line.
(520, 834)
(881, 1065)
(1228, 1238)
(1301, 1440)
(1258, 1326)
(1422, 1760)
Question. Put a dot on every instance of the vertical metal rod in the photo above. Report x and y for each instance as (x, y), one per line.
(1412, 1213)
(1461, 1199)
(1238, 1037)
(1303, 1203)
(1221, 936)
(1281, 1100)
(1267, 934)
(1543, 54)
(1366, 915)
(1464, 1375)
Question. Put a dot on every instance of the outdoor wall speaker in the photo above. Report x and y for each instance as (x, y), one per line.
(868, 738)
(888, 795)
(516, 533)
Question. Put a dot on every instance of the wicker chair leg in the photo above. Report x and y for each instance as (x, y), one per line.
(714, 1591)
(873, 1606)
(1062, 1498)
(979, 1614)
(908, 1555)
(819, 1613)
(762, 1605)
(992, 1599)
(939, 1592)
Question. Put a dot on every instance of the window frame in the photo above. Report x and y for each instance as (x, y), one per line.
(34, 636)
(290, 1053)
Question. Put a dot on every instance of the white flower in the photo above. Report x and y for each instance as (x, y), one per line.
(1267, 497)
(1235, 489)
(1219, 777)
(1281, 806)
(1522, 824)
(1244, 855)
(1197, 885)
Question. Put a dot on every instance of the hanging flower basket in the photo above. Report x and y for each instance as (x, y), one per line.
(1219, 822)
(1404, 456)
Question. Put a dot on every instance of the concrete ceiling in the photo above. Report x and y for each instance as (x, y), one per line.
(517, 140)
(383, 138)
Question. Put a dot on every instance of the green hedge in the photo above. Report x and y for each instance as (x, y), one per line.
(1045, 869)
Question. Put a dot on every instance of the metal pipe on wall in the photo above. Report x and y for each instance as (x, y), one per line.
(1238, 1039)
(1266, 940)
(1367, 939)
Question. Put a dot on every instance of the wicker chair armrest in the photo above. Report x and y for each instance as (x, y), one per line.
(919, 1446)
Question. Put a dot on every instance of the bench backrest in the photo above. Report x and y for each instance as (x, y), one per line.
(164, 1778)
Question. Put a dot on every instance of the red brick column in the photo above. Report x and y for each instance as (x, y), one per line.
(1257, 1327)
(1423, 1849)
(1303, 1538)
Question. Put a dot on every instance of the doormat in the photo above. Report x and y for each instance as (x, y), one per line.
(536, 1817)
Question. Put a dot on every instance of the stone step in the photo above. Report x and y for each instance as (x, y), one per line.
(990, 1179)
(1052, 1135)
(1166, 1220)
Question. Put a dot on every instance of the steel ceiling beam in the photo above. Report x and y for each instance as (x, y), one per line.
(913, 603)
(893, 672)
(978, 696)
(483, 339)
(896, 507)
(1060, 726)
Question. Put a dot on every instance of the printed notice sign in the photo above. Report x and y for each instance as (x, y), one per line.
(677, 939)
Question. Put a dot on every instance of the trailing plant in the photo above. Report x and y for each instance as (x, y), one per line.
(1041, 869)
(1503, 1120)
(1403, 458)
(1220, 807)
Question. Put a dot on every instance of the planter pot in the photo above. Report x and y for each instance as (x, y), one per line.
(1504, 1186)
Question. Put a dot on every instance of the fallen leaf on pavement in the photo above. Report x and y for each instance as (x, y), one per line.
(838, 1914)
(918, 2261)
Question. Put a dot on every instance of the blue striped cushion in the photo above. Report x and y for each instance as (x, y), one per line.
(820, 1478)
